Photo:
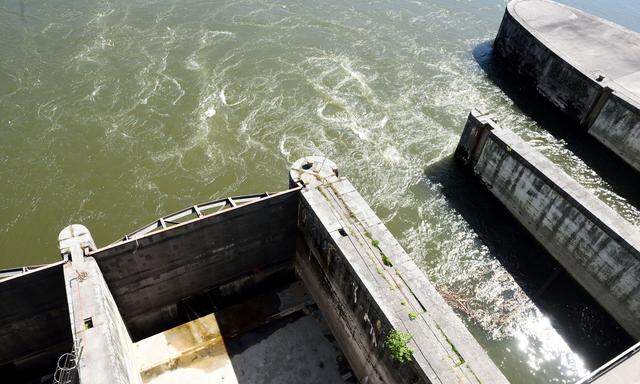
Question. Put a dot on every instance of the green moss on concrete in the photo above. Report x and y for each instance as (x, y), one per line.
(386, 261)
(396, 344)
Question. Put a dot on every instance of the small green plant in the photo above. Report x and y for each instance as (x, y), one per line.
(375, 243)
(396, 343)
(386, 261)
(412, 316)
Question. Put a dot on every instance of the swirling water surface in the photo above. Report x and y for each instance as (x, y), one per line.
(115, 112)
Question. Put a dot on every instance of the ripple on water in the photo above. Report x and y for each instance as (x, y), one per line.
(187, 102)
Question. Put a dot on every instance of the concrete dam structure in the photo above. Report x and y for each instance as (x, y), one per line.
(587, 67)
(187, 299)
(598, 248)
(591, 241)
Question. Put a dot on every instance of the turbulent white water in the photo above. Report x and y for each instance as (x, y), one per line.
(112, 113)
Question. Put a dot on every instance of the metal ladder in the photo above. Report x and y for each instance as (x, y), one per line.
(67, 368)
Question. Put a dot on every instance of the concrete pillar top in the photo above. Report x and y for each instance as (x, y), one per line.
(312, 171)
(74, 239)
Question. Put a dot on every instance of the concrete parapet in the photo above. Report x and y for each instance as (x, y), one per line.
(591, 241)
(366, 286)
(587, 67)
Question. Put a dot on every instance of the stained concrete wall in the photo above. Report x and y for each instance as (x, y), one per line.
(34, 320)
(618, 127)
(341, 253)
(106, 354)
(603, 106)
(544, 70)
(150, 275)
(591, 241)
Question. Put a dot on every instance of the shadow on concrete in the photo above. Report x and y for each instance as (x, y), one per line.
(295, 349)
(273, 331)
(619, 175)
(582, 322)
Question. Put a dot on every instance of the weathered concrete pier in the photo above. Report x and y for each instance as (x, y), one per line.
(592, 242)
(186, 298)
(366, 285)
(587, 67)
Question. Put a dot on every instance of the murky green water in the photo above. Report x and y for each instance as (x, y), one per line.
(114, 113)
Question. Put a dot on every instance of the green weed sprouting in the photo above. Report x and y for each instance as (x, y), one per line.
(396, 343)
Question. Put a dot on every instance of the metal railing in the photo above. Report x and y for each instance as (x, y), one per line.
(611, 365)
(195, 212)
(10, 272)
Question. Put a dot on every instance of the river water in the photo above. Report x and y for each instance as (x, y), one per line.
(115, 112)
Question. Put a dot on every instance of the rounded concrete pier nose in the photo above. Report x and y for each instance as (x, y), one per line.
(312, 171)
(598, 48)
(74, 240)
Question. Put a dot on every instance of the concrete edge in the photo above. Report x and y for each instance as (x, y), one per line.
(614, 224)
(617, 88)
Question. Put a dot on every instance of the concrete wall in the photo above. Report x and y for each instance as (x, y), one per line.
(618, 127)
(591, 241)
(340, 257)
(34, 319)
(605, 109)
(148, 276)
(107, 354)
(543, 70)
